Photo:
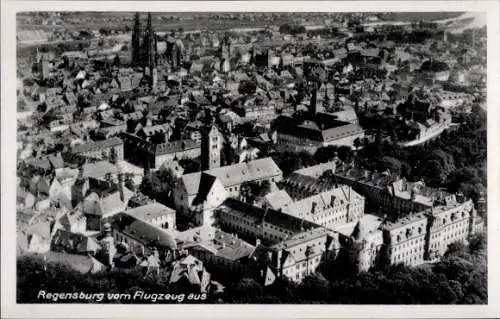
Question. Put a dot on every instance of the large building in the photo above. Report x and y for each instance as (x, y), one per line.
(329, 209)
(155, 214)
(385, 192)
(144, 50)
(321, 130)
(111, 149)
(149, 155)
(144, 43)
(362, 240)
(204, 191)
(302, 254)
(454, 219)
(270, 226)
(295, 247)
(406, 239)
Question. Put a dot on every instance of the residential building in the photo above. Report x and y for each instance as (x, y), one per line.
(155, 214)
(111, 149)
(334, 207)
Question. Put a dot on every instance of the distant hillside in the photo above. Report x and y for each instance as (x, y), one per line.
(417, 16)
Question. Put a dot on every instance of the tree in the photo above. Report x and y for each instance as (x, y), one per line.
(251, 191)
(245, 291)
(314, 287)
(325, 154)
(247, 87)
(190, 165)
(477, 243)
(392, 164)
(285, 29)
(146, 186)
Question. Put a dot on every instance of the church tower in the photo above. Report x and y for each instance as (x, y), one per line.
(108, 245)
(150, 56)
(45, 66)
(136, 41)
(211, 143)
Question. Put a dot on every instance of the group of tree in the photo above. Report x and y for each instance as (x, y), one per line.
(252, 191)
(34, 274)
(292, 29)
(456, 160)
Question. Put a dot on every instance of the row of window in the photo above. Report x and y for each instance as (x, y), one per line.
(304, 264)
(410, 243)
(408, 260)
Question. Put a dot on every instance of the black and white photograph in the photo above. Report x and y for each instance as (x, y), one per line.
(312, 157)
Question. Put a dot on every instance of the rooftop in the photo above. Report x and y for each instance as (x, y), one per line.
(301, 238)
(370, 223)
(144, 232)
(150, 211)
(234, 174)
(316, 170)
(271, 216)
(97, 146)
(409, 219)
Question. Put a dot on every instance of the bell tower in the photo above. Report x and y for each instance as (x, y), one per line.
(136, 40)
(108, 245)
(211, 144)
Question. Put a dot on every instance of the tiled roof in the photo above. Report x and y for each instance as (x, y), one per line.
(278, 199)
(234, 174)
(298, 239)
(144, 232)
(97, 146)
(408, 219)
(317, 170)
(303, 208)
(370, 223)
(206, 183)
(98, 169)
(271, 216)
(150, 211)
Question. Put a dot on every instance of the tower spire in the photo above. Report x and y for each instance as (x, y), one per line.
(136, 40)
(150, 43)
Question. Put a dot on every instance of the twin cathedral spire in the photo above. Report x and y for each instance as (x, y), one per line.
(144, 44)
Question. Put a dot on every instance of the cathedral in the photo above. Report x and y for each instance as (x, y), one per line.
(144, 44)
(144, 50)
